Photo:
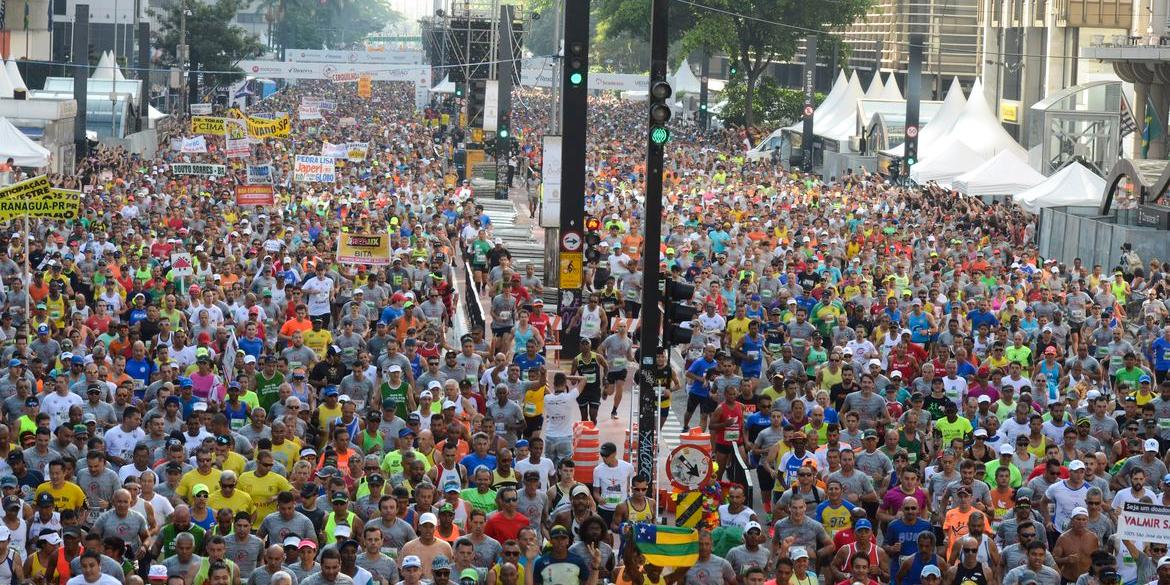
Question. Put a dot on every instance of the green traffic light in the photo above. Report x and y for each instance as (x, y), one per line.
(910, 161)
(576, 78)
(503, 133)
(659, 135)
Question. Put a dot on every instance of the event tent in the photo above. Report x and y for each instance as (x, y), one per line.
(940, 125)
(953, 158)
(1075, 184)
(14, 76)
(684, 80)
(21, 148)
(1003, 174)
(445, 86)
(979, 128)
(876, 87)
(6, 87)
(839, 106)
(891, 91)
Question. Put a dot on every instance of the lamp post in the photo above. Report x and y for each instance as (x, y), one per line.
(181, 53)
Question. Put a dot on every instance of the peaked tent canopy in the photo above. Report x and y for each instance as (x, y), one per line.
(14, 76)
(1003, 174)
(876, 87)
(6, 87)
(445, 86)
(953, 158)
(979, 129)
(22, 149)
(1075, 184)
(940, 125)
(684, 80)
(841, 123)
(826, 106)
(891, 91)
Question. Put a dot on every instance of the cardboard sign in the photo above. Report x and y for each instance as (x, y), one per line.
(251, 195)
(314, 169)
(207, 125)
(201, 169)
(368, 249)
(260, 174)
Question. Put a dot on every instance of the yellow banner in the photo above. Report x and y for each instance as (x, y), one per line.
(261, 128)
(368, 249)
(207, 125)
(365, 86)
(36, 198)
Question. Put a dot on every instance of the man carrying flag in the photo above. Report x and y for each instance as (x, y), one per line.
(559, 566)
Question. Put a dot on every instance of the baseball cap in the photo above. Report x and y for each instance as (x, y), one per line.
(158, 573)
(469, 574)
(292, 540)
(1007, 449)
(411, 561)
(1079, 511)
(1152, 445)
(428, 518)
(12, 503)
(863, 524)
(440, 563)
(931, 571)
(199, 488)
(797, 552)
(579, 490)
(558, 530)
(45, 499)
(450, 486)
(753, 525)
(1076, 465)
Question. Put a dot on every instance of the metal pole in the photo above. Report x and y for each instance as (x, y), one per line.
(182, 55)
(575, 94)
(651, 295)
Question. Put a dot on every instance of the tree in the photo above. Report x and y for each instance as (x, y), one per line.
(773, 106)
(216, 44)
(752, 33)
(336, 24)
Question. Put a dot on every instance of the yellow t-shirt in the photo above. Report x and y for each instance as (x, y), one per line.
(326, 414)
(953, 430)
(318, 341)
(836, 519)
(233, 462)
(193, 477)
(263, 489)
(287, 453)
(534, 401)
(736, 329)
(68, 497)
(238, 502)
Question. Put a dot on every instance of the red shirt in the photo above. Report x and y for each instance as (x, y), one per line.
(503, 528)
(732, 433)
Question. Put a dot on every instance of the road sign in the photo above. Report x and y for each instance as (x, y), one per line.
(688, 510)
(571, 241)
(572, 273)
(911, 131)
(182, 265)
(808, 111)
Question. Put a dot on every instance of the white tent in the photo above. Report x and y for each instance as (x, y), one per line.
(841, 122)
(104, 68)
(684, 80)
(1003, 174)
(21, 148)
(153, 115)
(1075, 184)
(445, 86)
(6, 87)
(876, 87)
(979, 129)
(891, 91)
(953, 158)
(14, 76)
(940, 125)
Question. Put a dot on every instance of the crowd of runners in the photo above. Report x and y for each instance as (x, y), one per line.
(921, 398)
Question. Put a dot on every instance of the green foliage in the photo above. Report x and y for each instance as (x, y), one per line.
(336, 24)
(772, 107)
(216, 44)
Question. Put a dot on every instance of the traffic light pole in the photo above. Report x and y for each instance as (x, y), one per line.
(574, 107)
(913, 93)
(651, 318)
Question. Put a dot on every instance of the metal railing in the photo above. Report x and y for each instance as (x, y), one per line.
(475, 314)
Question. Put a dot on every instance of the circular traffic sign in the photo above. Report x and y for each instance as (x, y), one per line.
(911, 131)
(808, 111)
(571, 241)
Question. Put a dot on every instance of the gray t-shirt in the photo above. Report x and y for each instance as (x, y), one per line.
(262, 576)
(876, 464)
(1045, 576)
(868, 409)
(487, 551)
(278, 528)
(128, 528)
(395, 535)
(381, 567)
(712, 571)
(741, 558)
(175, 567)
(298, 356)
(856, 484)
(109, 567)
(342, 579)
(507, 417)
(532, 507)
(302, 573)
(809, 533)
(245, 554)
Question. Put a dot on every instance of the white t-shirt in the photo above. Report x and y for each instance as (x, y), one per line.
(318, 288)
(120, 443)
(614, 483)
(104, 579)
(57, 407)
(558, 413)
(545, 468)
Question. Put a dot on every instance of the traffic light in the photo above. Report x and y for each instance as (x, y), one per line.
(578, 63)
(659, 112)
(678, 294)
(502, 128)
(733, 70)
(459, 91)
(476, 103)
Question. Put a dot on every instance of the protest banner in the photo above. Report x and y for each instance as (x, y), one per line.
(309, 112)
(327, 106)
(247, 195)
(238, 143)
(365, 87)
(347, 122)
(314, 169)
(261, 128)
(345, 77)
(207, 125)
(36, 198)
(201, 169)
(260, 174)
(357, 151)
(194, 145)
(333, 150)
(368, 249)
(200, 109)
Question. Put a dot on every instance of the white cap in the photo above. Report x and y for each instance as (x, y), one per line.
(248, 359)
(1079, 511)
(980, 433)
(797, 552)
(449, 404)
(411, 561)
(434, 384)
(344, 398)
(199, 407)
(1007, 449)
(1152, 445)
(875, 362)
(158, 572)
(342, 530)
(753, 525)
(1076, 465)
(428, 518)
(1162, 562)
(984, 398)
(394, 368)
(1092, 394)
(896, 374)
(426, 394)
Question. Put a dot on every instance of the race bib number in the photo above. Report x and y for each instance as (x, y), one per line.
(480, 257)
(529, 409)
(590, 378)
(619, 363)
(753, 355)
(505, 315)
(501, 429)
(732, 434)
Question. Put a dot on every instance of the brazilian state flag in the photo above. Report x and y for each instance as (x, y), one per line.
(667, 546)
